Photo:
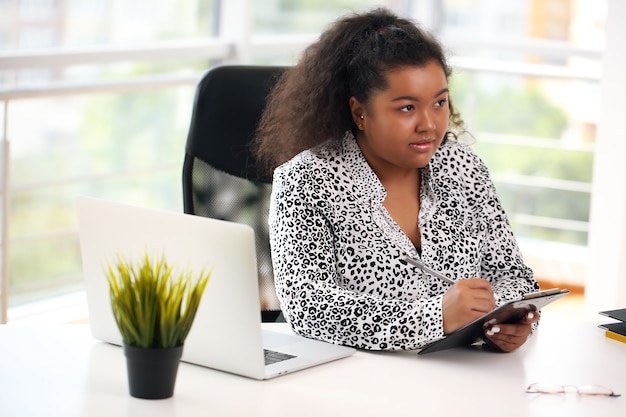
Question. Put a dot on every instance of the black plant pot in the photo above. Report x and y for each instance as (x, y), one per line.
(152, 372)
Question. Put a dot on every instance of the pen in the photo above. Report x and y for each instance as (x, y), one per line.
(424, 268)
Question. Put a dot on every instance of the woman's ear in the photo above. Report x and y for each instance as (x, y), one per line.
(358, 112)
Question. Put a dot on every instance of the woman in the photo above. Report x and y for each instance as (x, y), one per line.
(367, 171)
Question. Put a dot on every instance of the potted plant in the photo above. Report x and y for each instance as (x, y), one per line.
(154, 307)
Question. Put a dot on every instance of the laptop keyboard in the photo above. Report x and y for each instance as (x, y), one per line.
(272, 356)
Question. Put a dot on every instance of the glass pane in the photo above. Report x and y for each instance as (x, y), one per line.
(302, 17)
(38, 24)
(531, 107)
(83, 24)
(127, 147)
(97, 134)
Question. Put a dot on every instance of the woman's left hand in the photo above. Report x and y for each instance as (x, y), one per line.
(508, 337)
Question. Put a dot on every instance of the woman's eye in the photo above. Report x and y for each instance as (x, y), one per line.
(407, 108)
(441, 103)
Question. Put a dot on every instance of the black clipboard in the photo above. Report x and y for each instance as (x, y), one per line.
(510, 312)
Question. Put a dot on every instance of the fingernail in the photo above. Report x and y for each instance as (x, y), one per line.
(493, 330)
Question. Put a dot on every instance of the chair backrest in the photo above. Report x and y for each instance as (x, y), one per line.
(220, 179)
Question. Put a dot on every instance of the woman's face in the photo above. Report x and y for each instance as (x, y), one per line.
(402, 126)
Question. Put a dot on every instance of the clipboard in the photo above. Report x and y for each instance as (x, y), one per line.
(510, 312)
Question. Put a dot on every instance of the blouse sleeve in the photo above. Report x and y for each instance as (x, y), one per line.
(308, 285)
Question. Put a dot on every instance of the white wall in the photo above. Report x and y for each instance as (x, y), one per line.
(606, 281)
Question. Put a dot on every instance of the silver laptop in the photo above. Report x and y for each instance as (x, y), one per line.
(226, 333)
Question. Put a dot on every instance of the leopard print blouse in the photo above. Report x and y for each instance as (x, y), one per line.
(338, 256)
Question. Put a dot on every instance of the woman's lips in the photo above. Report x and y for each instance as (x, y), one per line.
(422, 146)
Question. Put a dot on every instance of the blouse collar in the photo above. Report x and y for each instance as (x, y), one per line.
(360, 170)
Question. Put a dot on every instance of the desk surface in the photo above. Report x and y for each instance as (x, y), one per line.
(63, 371)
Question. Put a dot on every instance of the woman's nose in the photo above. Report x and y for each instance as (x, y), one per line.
(426, 121)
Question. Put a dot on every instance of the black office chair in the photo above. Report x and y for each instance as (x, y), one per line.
(220, 178)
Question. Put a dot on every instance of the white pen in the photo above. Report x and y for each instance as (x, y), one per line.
(424, 268)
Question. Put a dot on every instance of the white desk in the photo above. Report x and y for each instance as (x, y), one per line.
(63, 371)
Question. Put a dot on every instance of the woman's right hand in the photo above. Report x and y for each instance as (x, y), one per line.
(465, 301)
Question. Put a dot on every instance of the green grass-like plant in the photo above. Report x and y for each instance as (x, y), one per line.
(154, 306)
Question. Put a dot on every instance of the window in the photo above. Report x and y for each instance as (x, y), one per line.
(93, 118)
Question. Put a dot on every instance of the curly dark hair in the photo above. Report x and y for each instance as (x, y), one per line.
(310, 102)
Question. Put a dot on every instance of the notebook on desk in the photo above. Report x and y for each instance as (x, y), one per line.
(619, 314)
(616, 330)
(226, 333)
